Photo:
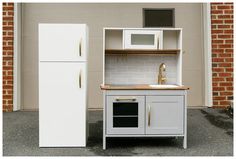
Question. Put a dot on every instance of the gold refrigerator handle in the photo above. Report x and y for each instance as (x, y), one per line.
(80, 83)
(80, 47)
(149, 115)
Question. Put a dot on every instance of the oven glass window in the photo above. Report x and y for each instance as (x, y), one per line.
(125, 114)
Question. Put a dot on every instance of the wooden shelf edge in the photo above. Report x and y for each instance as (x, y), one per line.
(140, 52)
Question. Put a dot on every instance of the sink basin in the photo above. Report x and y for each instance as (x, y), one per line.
(163, 86)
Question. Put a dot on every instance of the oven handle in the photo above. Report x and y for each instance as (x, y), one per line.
(125, 99)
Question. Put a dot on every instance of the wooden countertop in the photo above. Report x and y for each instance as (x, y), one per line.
(140, 87)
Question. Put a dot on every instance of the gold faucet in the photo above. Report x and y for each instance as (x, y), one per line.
(161, 77)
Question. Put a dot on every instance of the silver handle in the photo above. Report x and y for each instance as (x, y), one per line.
(125, 99)
(149, 115)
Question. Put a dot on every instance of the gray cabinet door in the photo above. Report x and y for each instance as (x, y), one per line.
(125, 114)
(164, 114)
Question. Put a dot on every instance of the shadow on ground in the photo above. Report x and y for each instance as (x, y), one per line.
(221, 120)
(124, 146)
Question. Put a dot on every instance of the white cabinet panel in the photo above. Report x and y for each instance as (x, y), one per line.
(62, 104)
(62, 42)
(164, 114)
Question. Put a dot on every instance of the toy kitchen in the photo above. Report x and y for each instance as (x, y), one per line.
(143, 95)
(142, 83)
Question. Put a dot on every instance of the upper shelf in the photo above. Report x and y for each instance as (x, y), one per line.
(140, 52)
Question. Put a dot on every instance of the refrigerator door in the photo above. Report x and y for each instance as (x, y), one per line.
(62, 42)
(62, 104)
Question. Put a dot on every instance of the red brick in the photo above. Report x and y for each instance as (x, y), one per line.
(229, 88)
(9, 102)
(224, 16)
(214, 84)
(8, 77)
(225, 46)
(7, 38)
(218, 50)
(8, 18)
(10, 43)
(10, 13)
(7, 96)
(229, 50)
(219, 98)
(224, 74)
(225, 55)
(10, 91)
(223, 26)
(216, 31)
(216, 12)
(217, 21)
(229, 69)
(223, 7)
(229, 60)
(8, 8)
(218, 88)
(213, 27)
(226, 84)
(225, 65)
(8, 48)
(228, 11)
(217, 69)
(228, 21)
(226, 93)
(10, 82)
(224, 102)
(214, 46)
(218, 79)
(7, 87)
(10, 4)
(10, 23)
(215, 102)
(217, 41)
(213, 36)
(229, 79)
(229, 41)
(217, 60)
(225, 36)
(7, 67)
(10, 33)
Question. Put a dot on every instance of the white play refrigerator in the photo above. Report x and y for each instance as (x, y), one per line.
(63, 85)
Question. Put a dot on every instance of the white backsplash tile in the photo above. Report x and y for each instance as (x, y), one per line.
(138, 69)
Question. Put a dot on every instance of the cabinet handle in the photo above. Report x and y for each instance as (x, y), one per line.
(80, 85)
(149, 115)
(80, 47)
(125, 99)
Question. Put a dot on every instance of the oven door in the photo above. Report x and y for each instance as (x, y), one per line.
(125, 114)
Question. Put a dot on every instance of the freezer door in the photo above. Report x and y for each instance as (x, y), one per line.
(62, 42)
(62, 104)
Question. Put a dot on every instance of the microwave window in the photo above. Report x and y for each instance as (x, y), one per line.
(142, 39)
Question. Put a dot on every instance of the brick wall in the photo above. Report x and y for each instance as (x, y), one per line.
(8, 13)
(222, 53)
